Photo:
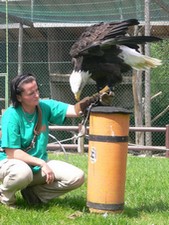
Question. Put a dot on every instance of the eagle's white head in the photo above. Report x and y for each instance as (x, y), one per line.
(78, 79)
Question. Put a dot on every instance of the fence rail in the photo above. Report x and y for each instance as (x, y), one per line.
(80, 146)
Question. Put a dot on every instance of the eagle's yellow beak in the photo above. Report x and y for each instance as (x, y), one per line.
(77, 97)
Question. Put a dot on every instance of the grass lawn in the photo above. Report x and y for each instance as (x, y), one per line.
(146, 199)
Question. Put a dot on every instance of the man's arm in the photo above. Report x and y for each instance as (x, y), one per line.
(71, 111)
(32, 161)
(23, 156)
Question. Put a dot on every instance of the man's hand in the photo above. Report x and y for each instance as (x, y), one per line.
(50, 177)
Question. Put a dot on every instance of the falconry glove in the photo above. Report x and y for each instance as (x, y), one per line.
(104, 99)
(81, 106)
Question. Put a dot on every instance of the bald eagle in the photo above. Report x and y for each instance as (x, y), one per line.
(104, 52)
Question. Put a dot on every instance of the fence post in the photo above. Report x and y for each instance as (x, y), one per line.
(80, 147)
(167, 140)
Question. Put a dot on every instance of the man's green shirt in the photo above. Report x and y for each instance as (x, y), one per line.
(18, 131)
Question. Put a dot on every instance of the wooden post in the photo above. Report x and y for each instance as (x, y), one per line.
(80, 147)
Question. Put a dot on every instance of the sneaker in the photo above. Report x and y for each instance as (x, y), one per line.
(10, 206)
(30, 197)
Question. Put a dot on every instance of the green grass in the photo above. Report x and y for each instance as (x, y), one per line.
(146, 199)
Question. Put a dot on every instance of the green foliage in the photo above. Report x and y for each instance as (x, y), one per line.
(159, 83)
(160, 75)
(146, 199)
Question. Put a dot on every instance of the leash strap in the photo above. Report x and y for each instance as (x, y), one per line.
(36, 129)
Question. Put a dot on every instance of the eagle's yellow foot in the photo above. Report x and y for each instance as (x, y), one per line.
(105, 89)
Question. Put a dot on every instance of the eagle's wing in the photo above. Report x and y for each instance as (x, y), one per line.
(96, 36)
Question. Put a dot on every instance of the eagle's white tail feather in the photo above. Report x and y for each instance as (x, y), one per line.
(136, 60)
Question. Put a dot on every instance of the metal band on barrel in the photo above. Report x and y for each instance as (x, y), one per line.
(105, 206)
(113, 139)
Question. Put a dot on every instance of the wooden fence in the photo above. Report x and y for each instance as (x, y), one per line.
(80, 146)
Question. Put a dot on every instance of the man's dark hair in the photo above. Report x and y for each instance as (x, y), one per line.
(16, 86)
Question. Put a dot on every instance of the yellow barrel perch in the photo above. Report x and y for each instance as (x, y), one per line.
(108, 147)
